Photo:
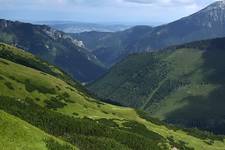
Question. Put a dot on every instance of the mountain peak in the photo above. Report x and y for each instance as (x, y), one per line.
(216, 5)
(214, 12)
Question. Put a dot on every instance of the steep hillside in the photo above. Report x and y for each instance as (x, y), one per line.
(205, 24)
(47, 103)
(53, 46)
(182, 85)
(27, 59)
(26, 136)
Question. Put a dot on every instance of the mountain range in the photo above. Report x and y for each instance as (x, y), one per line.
(93, 52)
(112, 47)
(53, 46)
(182, 85)
(45, 112)
(146, 88)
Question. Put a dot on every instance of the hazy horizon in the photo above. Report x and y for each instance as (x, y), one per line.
(128, 12)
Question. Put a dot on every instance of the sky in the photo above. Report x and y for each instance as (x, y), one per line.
(101, 11)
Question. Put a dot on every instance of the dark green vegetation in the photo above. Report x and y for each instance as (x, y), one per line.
(182, 85)
(53, 46)
(18, 134)
(191, 131)
(61, 116)
(85, 133)
(53, 145)
(112, 47)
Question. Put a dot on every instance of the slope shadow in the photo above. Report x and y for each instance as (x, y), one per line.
(206, 112)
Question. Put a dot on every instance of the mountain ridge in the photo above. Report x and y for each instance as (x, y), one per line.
(180, 85)
(53, 46)
(208, 23)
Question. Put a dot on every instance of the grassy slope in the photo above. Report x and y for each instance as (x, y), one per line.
(184, 85)
(17, 134)
(19, 56)
(132, 85)
(53, 46)
(181, 65)
(27, 59)
(15, 76)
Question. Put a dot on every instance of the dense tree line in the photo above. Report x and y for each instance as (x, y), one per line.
(84, 132)
(52, 144)
(204, 135)
(166, 88)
